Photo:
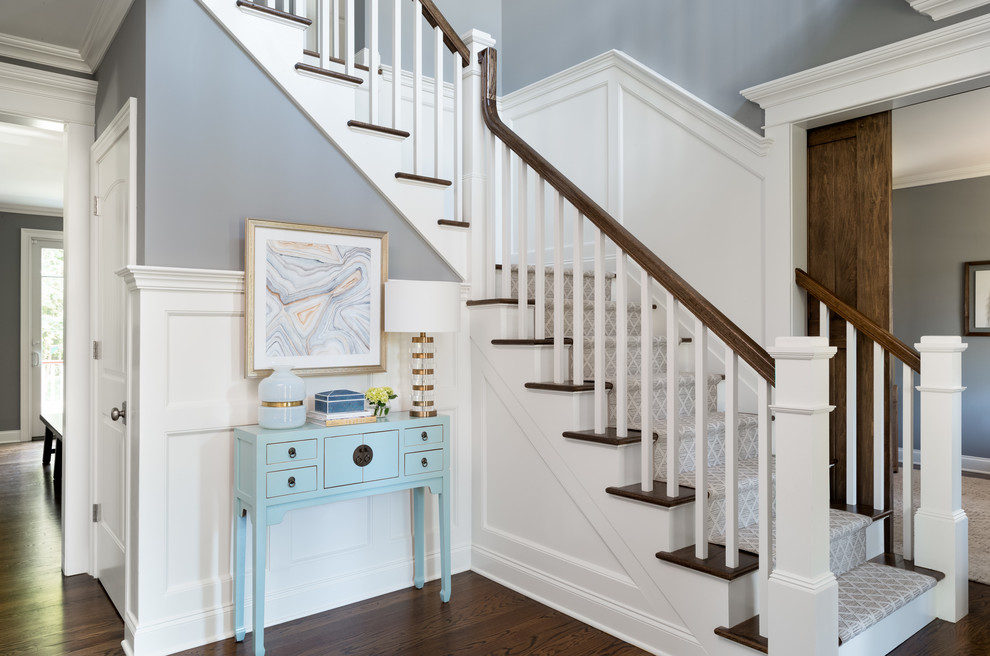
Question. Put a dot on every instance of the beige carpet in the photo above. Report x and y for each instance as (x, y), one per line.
(976, 503)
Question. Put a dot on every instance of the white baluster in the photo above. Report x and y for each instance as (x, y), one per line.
(325, 40)
(522, 259)
(621, 346)
(374, 59)
(539, 270)
(673, 400)
(907, 460)
(823, 320)
(333, 34)
(599, 296)
(458, 141)
(577, 298)
(731, 457)
(700, 441)
(506, 221)
(438, 99)
(417, 136)
(299, 9)
(879, 437)
(349, 42)
(491, 191)
(765, 472)
(646, 382)
(941, 525)
(851, 427)
(397, 68)
(559, 361)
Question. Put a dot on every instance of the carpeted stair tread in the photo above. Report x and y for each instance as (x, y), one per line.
(588, 282)
(871, 592)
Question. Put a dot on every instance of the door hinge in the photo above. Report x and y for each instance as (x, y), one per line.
(97, 351)
(96, 206)
(96, 512)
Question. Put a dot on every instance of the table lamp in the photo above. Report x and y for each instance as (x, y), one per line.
(422, 306)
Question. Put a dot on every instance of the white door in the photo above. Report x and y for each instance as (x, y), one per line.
(42, 343)
(111, 173)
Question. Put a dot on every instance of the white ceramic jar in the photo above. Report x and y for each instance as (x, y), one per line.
(283, 399)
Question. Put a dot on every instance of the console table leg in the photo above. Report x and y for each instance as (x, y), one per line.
(419, 542)
(240, 535)
(444, 503)
(260, 538)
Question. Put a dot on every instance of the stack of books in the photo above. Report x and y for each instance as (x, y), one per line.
(340, 418)
(339, 408)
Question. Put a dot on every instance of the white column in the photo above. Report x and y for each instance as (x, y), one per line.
(941, 525)
(803, 593)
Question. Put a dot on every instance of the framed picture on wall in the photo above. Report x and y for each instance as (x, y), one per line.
(313, 298)
(976, 312)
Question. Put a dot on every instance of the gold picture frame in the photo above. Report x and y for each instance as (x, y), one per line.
(314, 298)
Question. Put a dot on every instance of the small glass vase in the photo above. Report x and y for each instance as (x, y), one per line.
(283, 399)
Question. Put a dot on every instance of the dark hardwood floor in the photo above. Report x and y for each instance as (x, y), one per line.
(43, 613)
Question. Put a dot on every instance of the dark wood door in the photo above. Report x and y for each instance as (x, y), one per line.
(849, 251)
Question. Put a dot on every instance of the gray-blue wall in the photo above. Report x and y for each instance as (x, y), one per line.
(936, 229)
(712, 48)
(10, 319)
(222, 143)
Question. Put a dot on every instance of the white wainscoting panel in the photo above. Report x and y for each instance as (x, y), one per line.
(190, 394)
(685, 179)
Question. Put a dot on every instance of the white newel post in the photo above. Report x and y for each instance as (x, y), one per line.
(941, 526)
(803, 593)
(475, 180)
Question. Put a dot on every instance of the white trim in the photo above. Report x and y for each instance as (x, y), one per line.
(940, 58)
(51, 96)
(182, 280)
(939, 9)
(936, 177)
(103, 26)
(31, 209)
(969, 463)
(10, 437)
(28, 237)
(39, 52)
(671, 92)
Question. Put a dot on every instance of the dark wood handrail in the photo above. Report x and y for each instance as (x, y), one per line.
(733, 336)
(860, 321)
(450, 38)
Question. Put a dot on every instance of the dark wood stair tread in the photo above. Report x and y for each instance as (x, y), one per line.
(746, 633)
(714, 565)
(866, 511)
(361, 125)
(246, 4)
(609, 437)
(658, 497)
(316, 70)
(567, 386)
(412, 177)
(897, 560)
(528, 342)
(453, 224)
(498, 301)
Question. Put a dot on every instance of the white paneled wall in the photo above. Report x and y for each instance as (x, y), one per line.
(684, 178)
(188, 374)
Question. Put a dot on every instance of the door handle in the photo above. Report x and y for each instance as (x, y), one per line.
(35, 358)
(116, 414)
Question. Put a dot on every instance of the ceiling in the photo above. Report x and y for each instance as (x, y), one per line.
(937, 141)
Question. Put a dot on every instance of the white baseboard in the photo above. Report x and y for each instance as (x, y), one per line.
(969, 463)
(10, 437)
(627, 624)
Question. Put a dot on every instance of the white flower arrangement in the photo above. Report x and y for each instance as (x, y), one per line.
(379, 397)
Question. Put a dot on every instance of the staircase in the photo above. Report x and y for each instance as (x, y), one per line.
(571, 504)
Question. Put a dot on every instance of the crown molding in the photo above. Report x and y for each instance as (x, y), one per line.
(174, 279)
(939, 9)
(937, 177)
(103, 26)
(41, 94)
(953, 54)
(39, 52)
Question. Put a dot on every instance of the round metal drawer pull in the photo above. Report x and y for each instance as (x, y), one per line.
(425, 436)
(425, 462)
(363, 455)
(292, 481)
(292, 452)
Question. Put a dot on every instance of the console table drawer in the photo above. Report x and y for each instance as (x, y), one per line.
(291, 481)
(423, 462)
(422, 435)
(290, 451)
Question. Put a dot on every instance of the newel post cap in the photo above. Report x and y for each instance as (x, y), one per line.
(802, 348)
(476, 40)
(941, 344)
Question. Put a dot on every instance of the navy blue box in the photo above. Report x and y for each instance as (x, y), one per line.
(339, 401)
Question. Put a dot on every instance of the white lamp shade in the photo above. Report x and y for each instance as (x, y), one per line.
(422, 306)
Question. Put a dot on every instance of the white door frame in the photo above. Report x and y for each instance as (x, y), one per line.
(28, 237)
(70, 100)
(941, 62)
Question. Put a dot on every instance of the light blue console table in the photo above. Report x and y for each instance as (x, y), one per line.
(279, 470)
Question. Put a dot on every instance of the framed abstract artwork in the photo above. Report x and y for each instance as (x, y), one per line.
(313, 298)
(976, 298)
